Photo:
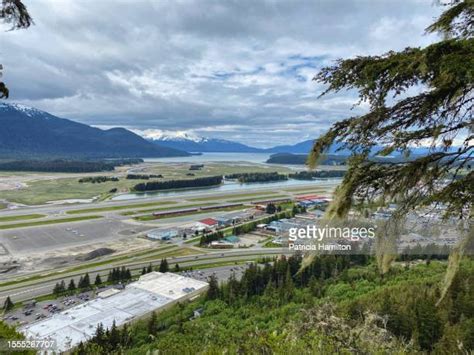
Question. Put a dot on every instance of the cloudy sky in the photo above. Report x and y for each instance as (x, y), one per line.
(237, 70)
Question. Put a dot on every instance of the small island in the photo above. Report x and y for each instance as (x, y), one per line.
(300, 159)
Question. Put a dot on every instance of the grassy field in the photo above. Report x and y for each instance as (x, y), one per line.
(193, 240)
(223, 196)
(118, 208)
(179, 170)
(174, 253)
(41, 190)
(210, 198)
(270, 244)
(47, 222)
(131, 213)
(258, 198)
(219, 264)
(315, 189)
(21, 217)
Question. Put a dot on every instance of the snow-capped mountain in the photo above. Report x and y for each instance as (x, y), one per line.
(26, 110)
(193, 143)
(29, 132)
(160, 135)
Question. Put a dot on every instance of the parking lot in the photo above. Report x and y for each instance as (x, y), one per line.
(34, 311)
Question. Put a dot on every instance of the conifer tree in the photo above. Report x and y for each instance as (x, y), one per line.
(8, 304)
(213, 290)
(80, 282)
(72, 286)
(288, 288)
(86, 281)
(153, 323)
(164, 265)
(81, 349)
(398, 121)
(99, 336)
(125, 336)
(59, 288)
(428, 325)
(13, 12)
(98, 280)
(123, 273)
(270, 209)
(56, 289)
(114, 337)
(415, 96)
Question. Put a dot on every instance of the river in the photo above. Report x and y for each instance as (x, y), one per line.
(256, 158)
(214, 157)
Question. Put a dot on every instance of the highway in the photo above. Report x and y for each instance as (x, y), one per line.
(31, 289)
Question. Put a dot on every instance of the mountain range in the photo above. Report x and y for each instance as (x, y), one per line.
(192, 143)
(28, 132)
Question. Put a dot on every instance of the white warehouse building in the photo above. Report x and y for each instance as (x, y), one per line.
(151, 292)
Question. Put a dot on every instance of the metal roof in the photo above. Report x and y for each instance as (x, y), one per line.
(152, 291)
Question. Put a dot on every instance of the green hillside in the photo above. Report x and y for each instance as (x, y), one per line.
(339, 304)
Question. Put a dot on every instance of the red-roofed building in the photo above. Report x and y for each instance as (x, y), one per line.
(209, 222)
(206, 223)
(310, 197)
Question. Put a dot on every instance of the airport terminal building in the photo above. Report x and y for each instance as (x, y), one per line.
(151, 292)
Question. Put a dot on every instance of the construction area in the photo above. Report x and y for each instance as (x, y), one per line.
(152, 292)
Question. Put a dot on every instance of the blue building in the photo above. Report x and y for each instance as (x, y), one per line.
(162, 234)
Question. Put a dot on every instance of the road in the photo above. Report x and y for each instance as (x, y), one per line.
(44, 286)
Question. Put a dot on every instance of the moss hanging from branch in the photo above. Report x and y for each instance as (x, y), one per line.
(440, 114)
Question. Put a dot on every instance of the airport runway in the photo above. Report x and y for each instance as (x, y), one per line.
(60, 210)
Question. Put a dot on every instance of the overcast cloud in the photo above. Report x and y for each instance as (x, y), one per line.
(238, 70)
